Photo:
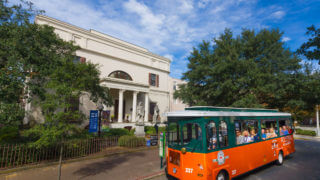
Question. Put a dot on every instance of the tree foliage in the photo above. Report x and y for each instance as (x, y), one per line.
(311, 48)
(39, 66)
(253, 69)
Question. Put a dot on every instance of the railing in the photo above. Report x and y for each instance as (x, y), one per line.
(16, 155)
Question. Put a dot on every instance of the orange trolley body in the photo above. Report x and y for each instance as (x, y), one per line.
(194, 159)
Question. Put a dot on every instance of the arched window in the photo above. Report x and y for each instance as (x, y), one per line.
(120, 75)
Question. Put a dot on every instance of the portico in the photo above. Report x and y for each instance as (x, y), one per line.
(127, 94)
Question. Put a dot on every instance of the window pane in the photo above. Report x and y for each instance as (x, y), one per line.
(153, 79)
(120, 75)
(223, 134)
(211, 135)
(285, 127)
(191, 131)
(246, 131)
(173, 134)
(268, 129)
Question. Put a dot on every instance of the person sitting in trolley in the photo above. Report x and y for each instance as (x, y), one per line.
(253, 135)
(212, 143)
(246, 137)
(263, 134)
(284, 130)
(239, 137)
(280, 130)
(271, 134)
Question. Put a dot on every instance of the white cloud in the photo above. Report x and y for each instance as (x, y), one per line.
(285, 39)
(186, 6)
(278, 14)
(169, 56)
(147, 18)
(165, 27)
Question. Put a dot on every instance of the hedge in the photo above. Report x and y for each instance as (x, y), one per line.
(150, 130)
(117, 132)
(306, 132)
(131, 141)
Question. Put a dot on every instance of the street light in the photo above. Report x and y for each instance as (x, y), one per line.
(100, 108)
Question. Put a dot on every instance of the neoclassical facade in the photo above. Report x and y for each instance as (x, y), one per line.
(138, 79)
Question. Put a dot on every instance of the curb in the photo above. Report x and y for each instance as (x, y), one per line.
(27, 167)
(151, 176)
(308, 138)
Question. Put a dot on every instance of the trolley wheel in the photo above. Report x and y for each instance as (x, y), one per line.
(223, 175)
(280, 159)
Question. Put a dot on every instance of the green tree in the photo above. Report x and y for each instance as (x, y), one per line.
(250, 70)
(34, 61)
(311, 48)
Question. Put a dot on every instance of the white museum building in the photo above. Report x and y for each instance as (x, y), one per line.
(138, 79)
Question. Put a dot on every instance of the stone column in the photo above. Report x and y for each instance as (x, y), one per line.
(120, 108)
(146, 107)
(134, 106)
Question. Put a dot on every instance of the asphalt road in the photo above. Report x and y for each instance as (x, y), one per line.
(302, 165)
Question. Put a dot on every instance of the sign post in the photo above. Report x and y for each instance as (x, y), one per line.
(317, 116)
(162, 148)
(93, 123)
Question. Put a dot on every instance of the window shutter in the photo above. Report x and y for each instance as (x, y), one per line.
(82, 60)
(149, 78)
(157, 80)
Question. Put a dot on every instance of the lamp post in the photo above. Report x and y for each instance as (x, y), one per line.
(100, 108)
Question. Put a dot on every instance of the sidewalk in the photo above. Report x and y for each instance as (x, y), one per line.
(135, 165)
(303, 137)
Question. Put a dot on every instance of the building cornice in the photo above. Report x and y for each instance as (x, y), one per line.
(123, 81)
(96, 35)
(121, 59)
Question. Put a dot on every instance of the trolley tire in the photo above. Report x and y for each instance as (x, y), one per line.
(280, 159)
(222, 175)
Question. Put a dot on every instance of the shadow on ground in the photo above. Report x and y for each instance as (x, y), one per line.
(106, 165)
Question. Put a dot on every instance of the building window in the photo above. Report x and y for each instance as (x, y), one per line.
(174, 85)
(120, 75)
(153, 79)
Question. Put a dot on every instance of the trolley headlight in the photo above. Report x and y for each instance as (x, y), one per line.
(183, 150)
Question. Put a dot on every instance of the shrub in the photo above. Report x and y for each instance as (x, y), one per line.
(150, 130)
(117, 132)
(131, 141)
(8, 134)
(306, 132)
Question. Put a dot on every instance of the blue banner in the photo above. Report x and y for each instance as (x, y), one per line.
(93, 123)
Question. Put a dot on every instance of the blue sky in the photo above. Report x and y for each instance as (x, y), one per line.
(172, 27)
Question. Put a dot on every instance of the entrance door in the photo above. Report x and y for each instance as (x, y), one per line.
(116, 109)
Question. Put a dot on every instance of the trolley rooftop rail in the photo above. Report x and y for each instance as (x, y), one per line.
(211, 111)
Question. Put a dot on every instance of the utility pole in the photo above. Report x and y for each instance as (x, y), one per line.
(317, 114)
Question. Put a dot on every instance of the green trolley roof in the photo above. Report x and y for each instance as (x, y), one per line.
(210, 111)
(229, 109)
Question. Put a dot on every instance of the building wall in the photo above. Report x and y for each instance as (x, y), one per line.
(175, 104)
(113, 54)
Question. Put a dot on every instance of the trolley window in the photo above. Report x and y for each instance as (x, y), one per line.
(223, 134)
(192, 136)
(211, 135)
(173, 134)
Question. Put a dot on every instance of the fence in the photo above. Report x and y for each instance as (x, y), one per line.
(15, 155)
